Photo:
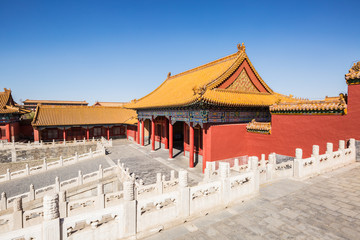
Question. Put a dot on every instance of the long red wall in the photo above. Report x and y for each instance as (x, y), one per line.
(288, 133)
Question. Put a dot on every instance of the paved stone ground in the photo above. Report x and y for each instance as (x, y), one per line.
(140, 160)
(145, 164)
(325, 207)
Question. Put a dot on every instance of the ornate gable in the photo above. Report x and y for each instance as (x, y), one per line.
(243, 83)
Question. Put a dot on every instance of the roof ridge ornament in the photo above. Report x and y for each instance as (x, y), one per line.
(199, 91)
(241, 47)
(169, 75)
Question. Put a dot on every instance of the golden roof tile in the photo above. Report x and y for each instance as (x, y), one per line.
(28, 101)
(82, 115)
(200, 84)
(330, 105)
(259, 127)
(353, 77)
(7, 104)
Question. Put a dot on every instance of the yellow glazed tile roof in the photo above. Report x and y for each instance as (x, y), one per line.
(110, 104)
(7, 104)
(330, 105)
(82, 115)
(28, 101)
(259, 127)
(200, 84)
(354, 74)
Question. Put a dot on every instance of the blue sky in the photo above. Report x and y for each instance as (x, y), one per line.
(121, 50)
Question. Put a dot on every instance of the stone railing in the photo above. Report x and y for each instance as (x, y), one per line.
(139, 210)
(29, 145)
(51, 165)
(269, 170)
(77, 182)
(127, 213)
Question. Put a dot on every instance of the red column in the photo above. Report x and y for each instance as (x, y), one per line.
(170, 139)
(36, 135)
(204, 147)
(143, 132)
(191, 141)
(108, 133)
(166, 136)
(138, 133)
(64, 134)
(87, 133)
(8, 132)
(152, 134)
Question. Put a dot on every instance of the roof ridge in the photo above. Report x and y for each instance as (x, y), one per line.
(239, 92)
(204, 66)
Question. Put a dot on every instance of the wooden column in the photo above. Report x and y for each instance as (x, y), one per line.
(36, 135)
(166, 134)
(8, 132)
(64, 134)
(170, 139)
(152, 134)
(143, 132)
(204, 152)
(191, 142)
(87, 133)
(138, 133)
(108, 133)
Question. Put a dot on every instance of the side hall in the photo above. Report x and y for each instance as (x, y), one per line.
(81, 122)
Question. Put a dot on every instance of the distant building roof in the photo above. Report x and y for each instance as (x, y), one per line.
(110, 104)
(330, 105)
(47, 115)
(28, 101)
(7, 103)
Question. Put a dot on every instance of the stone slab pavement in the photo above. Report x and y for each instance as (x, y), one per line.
(21, 185)
(323, 207)
(145, 164)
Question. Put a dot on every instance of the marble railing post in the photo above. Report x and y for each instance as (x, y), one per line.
(100, 201)
(62, 204)
(315, 154)
(51, 223)
(8, 174)
(17, 222)
(76, 157)
(298, 163)
(270, 167)
(159, 184)
(61, 161)
(101, 172)
(329, 149)
(224, 168)
(130, 205)
(31, 193)
(236, 164)
(184, 204)
(44, 165)
(91, 153)
(263, 161)
(80, 178)
(57, 184)
(27, 170)
(352, 146)
(13, 155)
(3, 201)
(255, 169)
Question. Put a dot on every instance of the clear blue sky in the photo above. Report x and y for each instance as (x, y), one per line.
(121, 50)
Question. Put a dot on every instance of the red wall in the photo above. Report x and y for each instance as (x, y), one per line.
(131, 131)
(288, 133)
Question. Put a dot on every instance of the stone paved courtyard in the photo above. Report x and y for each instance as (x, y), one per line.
(324, 207)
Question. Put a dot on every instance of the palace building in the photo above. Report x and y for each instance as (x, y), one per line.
(187, 109)
(224, 109)
(10, 115)
(82, 122)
